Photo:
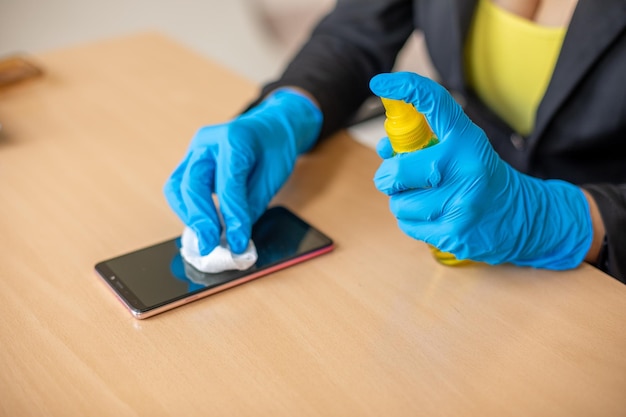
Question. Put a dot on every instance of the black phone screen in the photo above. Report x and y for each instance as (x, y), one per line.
(155, 276)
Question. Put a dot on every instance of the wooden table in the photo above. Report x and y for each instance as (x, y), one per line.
(376, 328)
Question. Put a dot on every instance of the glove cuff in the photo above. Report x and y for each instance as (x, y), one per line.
(297, 113)
(564, 224)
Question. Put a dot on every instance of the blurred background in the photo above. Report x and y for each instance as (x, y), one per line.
(254, 38)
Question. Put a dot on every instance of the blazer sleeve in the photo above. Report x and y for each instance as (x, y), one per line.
(611, 200)
(357, 40)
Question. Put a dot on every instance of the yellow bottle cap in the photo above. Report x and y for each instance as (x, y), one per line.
(407, 129)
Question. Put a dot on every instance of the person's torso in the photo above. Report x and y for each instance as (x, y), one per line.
(579, 122)
(509, 59)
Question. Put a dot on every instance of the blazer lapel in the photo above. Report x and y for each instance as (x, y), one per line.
(593, 27)
(446, 23)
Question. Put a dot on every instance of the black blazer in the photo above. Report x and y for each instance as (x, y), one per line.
(580, 128)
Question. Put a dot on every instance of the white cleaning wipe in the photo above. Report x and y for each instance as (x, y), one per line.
(220, 259)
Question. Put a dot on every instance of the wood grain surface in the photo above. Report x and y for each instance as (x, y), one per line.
(375, 328)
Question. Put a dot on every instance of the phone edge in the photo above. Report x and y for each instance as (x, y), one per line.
(194, 297)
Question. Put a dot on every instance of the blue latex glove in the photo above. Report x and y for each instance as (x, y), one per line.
(244, 162)
(460, 197)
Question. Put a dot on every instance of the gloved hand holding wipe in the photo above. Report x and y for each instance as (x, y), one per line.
(462, 198)
(243, 162)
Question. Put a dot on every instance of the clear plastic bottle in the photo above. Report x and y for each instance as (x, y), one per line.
(409, 131)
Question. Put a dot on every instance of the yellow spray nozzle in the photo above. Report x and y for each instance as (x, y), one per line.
(407, 129)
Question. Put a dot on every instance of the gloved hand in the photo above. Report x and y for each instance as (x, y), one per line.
(460, 197)
(244, 162)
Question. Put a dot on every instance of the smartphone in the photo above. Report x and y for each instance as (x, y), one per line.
(155, 279)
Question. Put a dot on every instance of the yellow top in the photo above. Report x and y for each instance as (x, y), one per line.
(407, 129)
(509, 61)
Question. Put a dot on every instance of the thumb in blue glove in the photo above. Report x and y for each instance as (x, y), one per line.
(462, 198)
(243, 163)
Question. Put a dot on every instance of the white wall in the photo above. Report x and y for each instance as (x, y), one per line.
(238, 33)
(253, 37)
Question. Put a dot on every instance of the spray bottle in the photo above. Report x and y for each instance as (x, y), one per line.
(409, 131)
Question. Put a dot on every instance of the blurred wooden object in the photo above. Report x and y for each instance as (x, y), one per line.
(16, 68)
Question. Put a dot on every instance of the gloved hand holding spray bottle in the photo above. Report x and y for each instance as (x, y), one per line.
(461, 197)
(408, 131)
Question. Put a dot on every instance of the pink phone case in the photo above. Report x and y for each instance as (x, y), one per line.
(225, 286)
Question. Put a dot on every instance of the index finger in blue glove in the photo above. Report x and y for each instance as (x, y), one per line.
(423, 205)
(172, 192)
(409, 171)
(384, 149)
(196, 190)
(444, 115)
(234, 167)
